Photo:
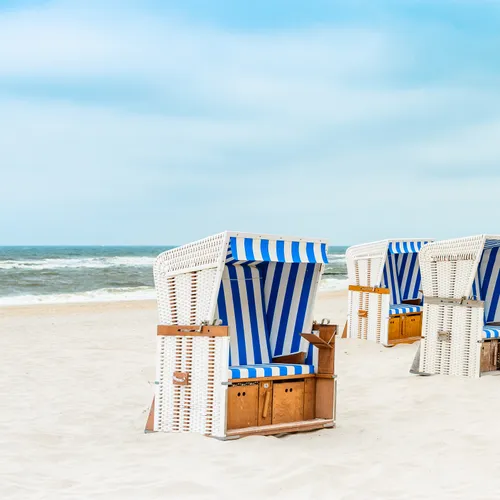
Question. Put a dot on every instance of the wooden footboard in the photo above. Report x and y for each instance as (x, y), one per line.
(405, 328)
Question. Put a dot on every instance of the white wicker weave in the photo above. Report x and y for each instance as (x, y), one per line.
(200, 406)
(365, 263)
(187, 281)
(452, 328)
(365, 266)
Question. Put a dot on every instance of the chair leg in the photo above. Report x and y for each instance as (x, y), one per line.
(344, 333)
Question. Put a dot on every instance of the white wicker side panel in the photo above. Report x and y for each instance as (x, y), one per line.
(186, 280)
(367, 272)
(375, 252)
(357, 327)
(448, 270)
(185, 299)
(377, 268)
(374, 316)
(428, 350)
(449, 267)
(352, 315)
(374, 326)
(465, 346)
(452, 279)
(199, 406)
(384, 322)
(364, 266)
(363, 272)
(458, 355)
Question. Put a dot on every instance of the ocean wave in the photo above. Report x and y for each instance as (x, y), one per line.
(77, 263)
(101, 295)
(336, 257)
(123, 294)
(330, 284)
(98, 262)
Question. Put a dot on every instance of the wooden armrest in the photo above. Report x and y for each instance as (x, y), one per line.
(316, 341)
(297, 358)
(192, 331)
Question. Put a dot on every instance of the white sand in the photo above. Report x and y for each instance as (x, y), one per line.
(75, 386)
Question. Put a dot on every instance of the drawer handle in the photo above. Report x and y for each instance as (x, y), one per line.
(267, 400)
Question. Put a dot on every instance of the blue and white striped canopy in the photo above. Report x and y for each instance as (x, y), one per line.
(401, 273)
(491, 244)
(397, 247)
(267, 250)
(486, 285)
(266, 296)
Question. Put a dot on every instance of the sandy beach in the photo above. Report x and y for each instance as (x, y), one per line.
(76, 385)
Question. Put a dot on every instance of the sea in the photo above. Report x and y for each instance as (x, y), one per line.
(64, 274)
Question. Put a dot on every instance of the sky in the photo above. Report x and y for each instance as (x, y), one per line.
(159, 122)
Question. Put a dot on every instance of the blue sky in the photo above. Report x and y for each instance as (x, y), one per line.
(157, 122)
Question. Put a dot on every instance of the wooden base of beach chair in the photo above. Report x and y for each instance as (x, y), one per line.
(279, 400)
(273, 404)
(404, 329)
(489, 356)
(277, 405)
(150, 423)
(409, 340)
(279, 429)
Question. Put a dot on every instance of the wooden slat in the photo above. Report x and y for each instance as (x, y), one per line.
(408, 340)
(369, 289)
(298, 358)
(326, 357)
(325, 398)
(412, 302)
(150, 423)
(309, 398)
(265, 416)
(317, 341)
(266, 430)
(193, 331)
(344, 333)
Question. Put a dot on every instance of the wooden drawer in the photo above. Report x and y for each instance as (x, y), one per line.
(489, 356)
(288, 402)
(395, 327)
(412, 326)
(242, 406)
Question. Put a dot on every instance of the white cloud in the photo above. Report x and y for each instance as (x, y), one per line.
(300, 132)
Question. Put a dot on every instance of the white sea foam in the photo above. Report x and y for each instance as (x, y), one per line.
(333, 284)
(102, 295)
(122, 294)
(336, 257)
(86, 262)
(98, 262)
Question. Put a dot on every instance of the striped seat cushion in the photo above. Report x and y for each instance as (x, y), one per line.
(268, 370)
(491, 332)
(403, 309)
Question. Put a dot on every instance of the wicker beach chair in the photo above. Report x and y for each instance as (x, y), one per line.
(385, 301)
(238, 352)
(461, 284)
